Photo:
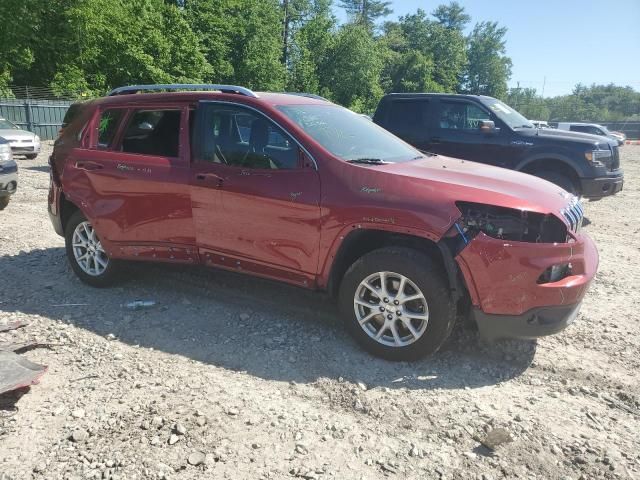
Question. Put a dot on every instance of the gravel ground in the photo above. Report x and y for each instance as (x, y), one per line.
(234, 377)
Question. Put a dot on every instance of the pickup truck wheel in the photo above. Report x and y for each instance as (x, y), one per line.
(31, 156)
(4, 201)
(558, 179)
(86, 256)
(396, 304)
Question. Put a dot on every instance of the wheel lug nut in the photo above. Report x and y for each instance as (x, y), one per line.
(386, 300)
(390, 317)
(382, 309)
(399, 313)
(396, 302)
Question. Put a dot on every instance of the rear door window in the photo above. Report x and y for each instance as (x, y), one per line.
(108, 126)
(153, 132)
(407, 116)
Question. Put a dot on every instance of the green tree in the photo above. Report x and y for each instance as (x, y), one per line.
(366, 12)
(488, 67)
(439, 53)
(452, 16)
(352, 73)
(311, 45)
(528, 103)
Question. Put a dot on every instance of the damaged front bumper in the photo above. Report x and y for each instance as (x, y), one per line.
(511, 293)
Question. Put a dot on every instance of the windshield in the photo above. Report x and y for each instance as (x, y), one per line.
(348, 135)
(507, 114)
(7, 125)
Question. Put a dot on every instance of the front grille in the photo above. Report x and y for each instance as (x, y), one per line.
(615, 164)
(574, 214)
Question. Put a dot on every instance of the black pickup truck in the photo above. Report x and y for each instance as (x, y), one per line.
(483, 129)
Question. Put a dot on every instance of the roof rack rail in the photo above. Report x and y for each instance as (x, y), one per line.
(182, 86)
(308, 95)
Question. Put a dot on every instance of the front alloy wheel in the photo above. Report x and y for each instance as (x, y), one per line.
(396, 303)
(391, 309)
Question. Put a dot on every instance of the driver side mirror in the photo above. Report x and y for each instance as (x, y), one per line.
(488, 127)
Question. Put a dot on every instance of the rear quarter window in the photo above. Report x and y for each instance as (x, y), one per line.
(108, 126)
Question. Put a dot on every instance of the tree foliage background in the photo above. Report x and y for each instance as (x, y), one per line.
(91, 46)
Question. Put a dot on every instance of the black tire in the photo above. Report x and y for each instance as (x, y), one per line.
(559, 179)
(111, 273)
(31, 156)
(4, 201)
(429, 279)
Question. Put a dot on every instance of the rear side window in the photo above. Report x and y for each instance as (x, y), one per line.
(461, 116)
(153, 132)
(108, 126)
(407, 115)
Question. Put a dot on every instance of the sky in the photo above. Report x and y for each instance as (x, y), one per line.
(555, 44)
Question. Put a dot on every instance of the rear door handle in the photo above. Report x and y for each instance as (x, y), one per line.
(87, 165)
(210, 177)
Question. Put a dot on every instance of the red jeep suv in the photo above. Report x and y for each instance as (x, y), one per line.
(294, 188)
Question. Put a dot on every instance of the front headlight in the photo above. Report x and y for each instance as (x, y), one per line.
(595, 157)
(5, 153)
(509, 224)
(36, 139)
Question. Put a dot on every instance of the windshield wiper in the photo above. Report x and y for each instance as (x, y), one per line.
(368, 161)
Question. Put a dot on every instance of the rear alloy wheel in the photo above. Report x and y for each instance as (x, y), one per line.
(86, 255)
(396, 304)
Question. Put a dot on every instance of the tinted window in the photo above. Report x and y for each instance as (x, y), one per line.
(241, 138)
(153, 132)
(461, 116)
(108, 126)
(407, 115)
(348, 135)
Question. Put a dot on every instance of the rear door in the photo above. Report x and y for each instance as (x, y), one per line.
(133, 180)
(255, 195)
(411, 120)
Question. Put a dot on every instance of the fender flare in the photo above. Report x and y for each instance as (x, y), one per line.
(325, 270)
(544, 156)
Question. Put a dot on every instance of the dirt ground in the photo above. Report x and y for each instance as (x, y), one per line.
(234, 377)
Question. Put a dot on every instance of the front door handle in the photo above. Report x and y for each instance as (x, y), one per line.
(87, 165)
(210, 177)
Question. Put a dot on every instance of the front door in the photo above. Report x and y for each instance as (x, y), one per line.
(255, 196)
(457, 134)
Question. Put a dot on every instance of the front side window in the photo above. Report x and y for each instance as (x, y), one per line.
(461, 116)
(108, 126)
(153, 132)
(239, 137)
(347, 135)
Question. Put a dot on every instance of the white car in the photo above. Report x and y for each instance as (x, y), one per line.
(8, 174)
(591, 128)
(22, 142)
(540, 124)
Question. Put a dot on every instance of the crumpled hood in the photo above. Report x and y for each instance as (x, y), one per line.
(11, 135)
(462, 180)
